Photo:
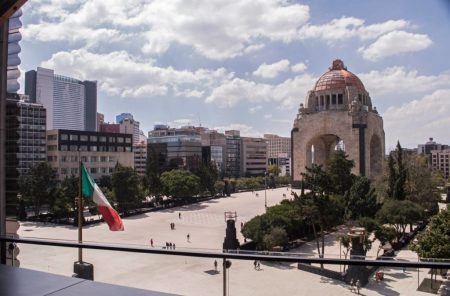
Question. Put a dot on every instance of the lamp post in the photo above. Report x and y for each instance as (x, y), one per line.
(265, 190)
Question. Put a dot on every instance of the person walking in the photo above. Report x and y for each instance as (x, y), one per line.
(215, 265)
(179, 215)
(151, 242)
(358, 286)
(255, 263)
(173, 246)
(188, 237)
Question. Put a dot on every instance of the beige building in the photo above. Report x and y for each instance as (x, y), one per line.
(440, 161)
(338, 114)
(140, 157)
(277, 146)
(99, 152)
(253, 156)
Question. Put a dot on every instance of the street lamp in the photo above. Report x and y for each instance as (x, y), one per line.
(265, 189)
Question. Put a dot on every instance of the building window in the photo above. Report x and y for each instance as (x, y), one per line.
(119, 139)
(93, 158)
(93, 138)
(84, 138)
(93, 148)
(340, 99)
(103, 158)
(73, 148)
(103, 170)
(83, 159)
(93, 170)
(120, 149)
(64, 137)
(63, 147)
(51, 147)
(112, 149)
(63, 158)
(83, 148)
(112, 159)
(74, 171)
(51, 137)
(74, 158)
(102, 139)
(128, 140)
(110, 170)
(333, 99)
(63, 171)
(74, 137)
(112, 139)
(128, 149)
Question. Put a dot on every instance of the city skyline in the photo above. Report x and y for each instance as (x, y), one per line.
(227, 67)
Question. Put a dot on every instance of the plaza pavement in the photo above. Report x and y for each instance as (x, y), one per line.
(196, 276)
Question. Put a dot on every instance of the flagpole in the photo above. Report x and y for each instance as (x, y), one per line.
(80, 210)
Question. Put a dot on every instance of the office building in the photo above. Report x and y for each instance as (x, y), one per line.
(279, 152)
(14, 37)
(253, 156)
(214, 147)
(70, 103)
(440, 161)
(100, 152)
(427, 148)
(233, 154)
(140, 157)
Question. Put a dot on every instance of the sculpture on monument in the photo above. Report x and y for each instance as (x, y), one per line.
(338, 114)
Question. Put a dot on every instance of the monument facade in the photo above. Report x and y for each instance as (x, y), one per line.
(338, 114)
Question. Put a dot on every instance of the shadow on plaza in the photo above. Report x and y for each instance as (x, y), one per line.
(279, 265)
(211, 272)
(54, 225)
(381, 288)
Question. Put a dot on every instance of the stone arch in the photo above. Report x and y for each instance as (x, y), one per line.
(375, 156)
(320, 148)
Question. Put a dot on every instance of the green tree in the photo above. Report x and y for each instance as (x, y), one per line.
(127, 188)
(276, 237)
(63, 203)
(208, 175)
(434, 242)
(38, 187)
(399, 214)
(274, 169)
(180, 183)
(385, 234)
(397, 175)
(219, 186)
(256, 229)
(339, 170)
(155, 167)
(361, 200)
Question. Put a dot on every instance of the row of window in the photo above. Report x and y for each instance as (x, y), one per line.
(91, 148)
(85, 138)
(74, 171)
(73, 158)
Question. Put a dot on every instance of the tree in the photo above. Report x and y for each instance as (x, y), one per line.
(38, 187)
(399, 214)
(219, 186)
(180, 183)
(361, 200)
(208, 175)
(435, 241)
(155, 167)
(274, 169)
(63, 203)
(397, 175)
(256, 229)
(339, 169)
(384, 234)
(276, 237)
(127, 188)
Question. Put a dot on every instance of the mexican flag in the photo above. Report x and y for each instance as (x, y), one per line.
(92, 191)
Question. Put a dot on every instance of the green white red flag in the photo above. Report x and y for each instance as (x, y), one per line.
(91, 191)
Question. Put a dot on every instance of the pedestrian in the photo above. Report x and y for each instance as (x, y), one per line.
(258, 265)
(170, 245)
(242, 224)
(188, 237)
(215, 265)
(167, 245)
(179, 215)
(404, 268)
(358, 286)
(255, 263)
(151, 242)
(173, 246)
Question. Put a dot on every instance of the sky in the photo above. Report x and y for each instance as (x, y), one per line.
(248, 64)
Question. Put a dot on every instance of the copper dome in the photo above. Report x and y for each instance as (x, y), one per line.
(338, 78)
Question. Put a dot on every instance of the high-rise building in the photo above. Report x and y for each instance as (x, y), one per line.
(174, 148)
(279, 152)
(70, 103)
(14, 49)
(427, 148)
(233, 154)
(129, 126)
(214, 149)
(253, 156)
(140, 158)
(100, 120)
(99, 152)
(440, 161)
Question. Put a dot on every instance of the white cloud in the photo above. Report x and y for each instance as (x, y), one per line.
(129, 77)
(180, 122)
(349, 27)
(289, 93)
(394, 80)
(253, 110)
(267, 116)
(427, 117)
(394, 43)
(272, 70)
(219, 30)
(300, 67)
(246, 130)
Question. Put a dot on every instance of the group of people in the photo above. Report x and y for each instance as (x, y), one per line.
(170, 246)
(172, 226)
(257, 265)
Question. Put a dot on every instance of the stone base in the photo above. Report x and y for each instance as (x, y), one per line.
(83, 270)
